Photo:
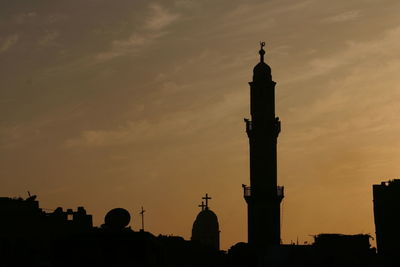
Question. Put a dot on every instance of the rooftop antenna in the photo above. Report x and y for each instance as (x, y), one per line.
(142, 214)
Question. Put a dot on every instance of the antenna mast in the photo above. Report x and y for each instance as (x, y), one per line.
(142, 214)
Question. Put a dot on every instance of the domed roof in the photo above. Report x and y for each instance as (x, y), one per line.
(262, 70)
(117, 218)
(206, 229)
(206, 219)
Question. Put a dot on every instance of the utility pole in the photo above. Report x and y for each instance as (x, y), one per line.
(142, 214)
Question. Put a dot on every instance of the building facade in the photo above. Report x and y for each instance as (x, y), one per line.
(387, 217)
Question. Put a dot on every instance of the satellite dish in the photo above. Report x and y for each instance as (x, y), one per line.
(117, 219)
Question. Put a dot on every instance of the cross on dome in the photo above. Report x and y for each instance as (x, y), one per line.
(206, 198)
(202, 206)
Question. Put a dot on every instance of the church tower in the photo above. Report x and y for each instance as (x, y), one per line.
(263, 196)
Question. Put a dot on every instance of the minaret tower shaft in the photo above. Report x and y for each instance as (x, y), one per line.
(263, 196)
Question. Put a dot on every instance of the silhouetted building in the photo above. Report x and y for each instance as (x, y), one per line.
(263, 196)
(178, 252)
(20, 218)
(387, 218)
(23, 219)
(343, 250)
(241, 254)
(328, 250)
(206, 228)
(31, 237)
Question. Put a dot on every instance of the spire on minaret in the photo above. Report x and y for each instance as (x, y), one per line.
(262, 51)
(262, 71)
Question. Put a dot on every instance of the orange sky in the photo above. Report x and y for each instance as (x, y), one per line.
(127, 103)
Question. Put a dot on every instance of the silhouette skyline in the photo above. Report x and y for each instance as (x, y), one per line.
(105, 104)
(63, 238)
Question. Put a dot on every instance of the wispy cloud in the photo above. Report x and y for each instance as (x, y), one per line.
(361, 104)
(342, 17)
(25, 17)
(48, 38)
(127, 46)
(171, 126)
(353, 53)
(153, 28)
(8, 42)
(133, 132)
(160, 18)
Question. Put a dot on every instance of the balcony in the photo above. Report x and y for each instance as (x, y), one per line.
(247, 192)
(279, 191)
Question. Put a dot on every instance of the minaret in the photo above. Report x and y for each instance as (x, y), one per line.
(263, 196)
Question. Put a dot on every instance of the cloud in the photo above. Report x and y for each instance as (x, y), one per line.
(18, 134)
(152, 29)
(354, 103)
(127, 46)
(25, 17)
(132, 132)
(342, 17)
(8, 42)
(48, 38)
(160, 18)
(353, 53)
(172, 126)
(56, 18)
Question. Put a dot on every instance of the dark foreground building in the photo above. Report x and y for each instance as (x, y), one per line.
(30, 236)
(328, 250)
(24, 219)
(387, 219)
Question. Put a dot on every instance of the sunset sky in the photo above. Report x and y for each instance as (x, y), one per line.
(126, 103)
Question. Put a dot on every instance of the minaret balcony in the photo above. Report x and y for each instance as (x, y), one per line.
(280, 193)
(247, 192)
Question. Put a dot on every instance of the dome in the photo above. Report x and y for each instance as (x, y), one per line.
(206, 229)
(117, 218)
(262, 71)
(206, 219)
